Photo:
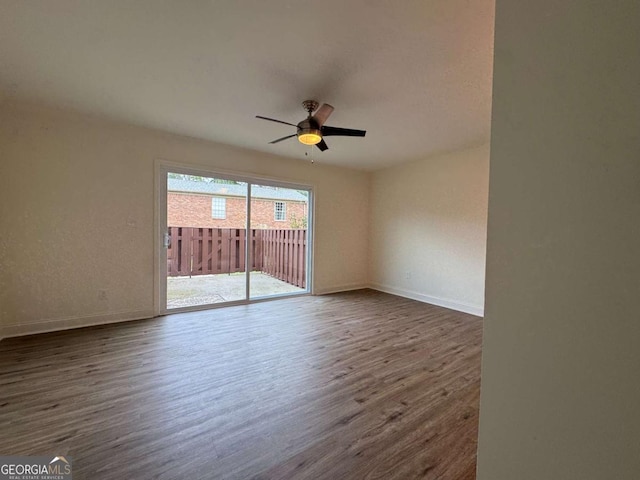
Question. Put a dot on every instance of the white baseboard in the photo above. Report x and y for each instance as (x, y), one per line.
(477, 310)
(56, 324)
(67, 323)
(340, 288)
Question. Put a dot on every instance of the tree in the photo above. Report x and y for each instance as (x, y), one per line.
(296, 222)
(197, 178)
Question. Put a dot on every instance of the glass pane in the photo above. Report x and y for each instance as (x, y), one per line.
(206, 219)
(279, 218)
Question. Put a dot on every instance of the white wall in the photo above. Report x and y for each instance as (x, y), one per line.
(428, 229)
(561, 352)
(72, 184)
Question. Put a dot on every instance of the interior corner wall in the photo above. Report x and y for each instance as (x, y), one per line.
(561, 357)
(428, 229)
(77, 215)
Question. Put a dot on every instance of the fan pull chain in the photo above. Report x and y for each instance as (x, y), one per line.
(309, 153)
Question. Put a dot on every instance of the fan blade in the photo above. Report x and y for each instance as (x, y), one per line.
(283, 138)
(322, 146)
(345, 132)
(323, 113)
(274, 120)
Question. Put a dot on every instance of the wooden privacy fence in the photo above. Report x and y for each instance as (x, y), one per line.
(284, 255)
(205, 251)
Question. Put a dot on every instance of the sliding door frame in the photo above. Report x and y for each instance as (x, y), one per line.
(161, 169)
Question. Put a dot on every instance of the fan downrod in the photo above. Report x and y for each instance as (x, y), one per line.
(310, 106)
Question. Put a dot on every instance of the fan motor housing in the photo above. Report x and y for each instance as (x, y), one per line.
(308, 124)
(309, 131)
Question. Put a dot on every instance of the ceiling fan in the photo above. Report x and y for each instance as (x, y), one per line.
(312, 129)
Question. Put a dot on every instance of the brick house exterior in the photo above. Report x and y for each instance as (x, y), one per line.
(216, 205)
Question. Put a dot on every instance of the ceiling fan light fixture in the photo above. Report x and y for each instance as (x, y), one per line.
(310, 137)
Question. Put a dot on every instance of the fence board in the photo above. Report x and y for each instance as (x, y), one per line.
(257, 246)
(172, 269)
(242, 251)
(186, 236)
(206, 249)
(196, 253)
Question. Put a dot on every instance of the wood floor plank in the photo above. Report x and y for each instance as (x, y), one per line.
(357, 385)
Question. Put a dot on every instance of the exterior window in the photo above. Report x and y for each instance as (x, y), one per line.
(219, 208)
(280, 209)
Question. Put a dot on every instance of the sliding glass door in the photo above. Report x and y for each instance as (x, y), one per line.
(230, 240)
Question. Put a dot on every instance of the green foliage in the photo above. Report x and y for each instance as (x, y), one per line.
(296, 222)
(197, 178)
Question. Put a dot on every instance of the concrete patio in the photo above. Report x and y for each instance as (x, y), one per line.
(207, 289)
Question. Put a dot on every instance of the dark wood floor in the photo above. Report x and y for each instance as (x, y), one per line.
(359, 385)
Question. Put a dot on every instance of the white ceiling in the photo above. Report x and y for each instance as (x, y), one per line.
(416, 74)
